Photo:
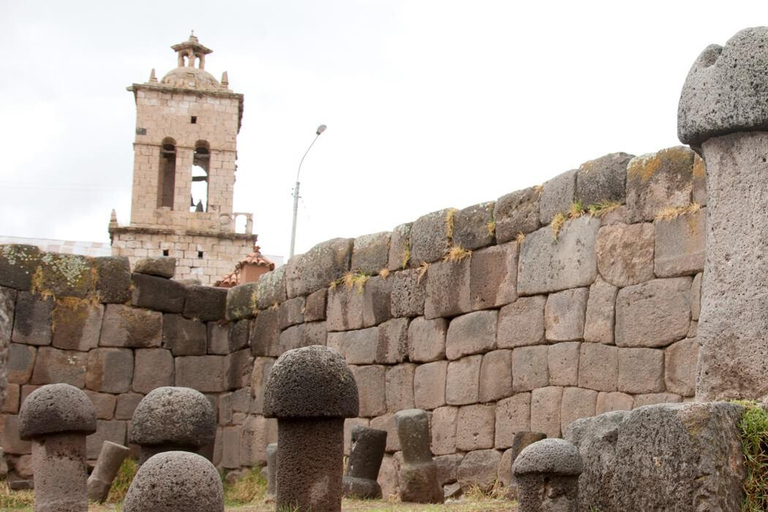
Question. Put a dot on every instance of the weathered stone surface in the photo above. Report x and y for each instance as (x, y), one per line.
(65, 275)
(387, 422)
(126, 405)
(409, 292)
(495, 376)
(641, 370)
(475, 427)
(110, 370)
(680, 244)
(547, 474)
(565, 314)
(463, 381)
(474, 227)
(7, 310)
(653, 314)
(364, 463)
(242, 301)
(230, 440)
(614, 401)
(444, 420)
(513, 415)
(370, 253)
(262, 366)
(157, 293)
(377, 294)
(60, 366)
(205, 303)
(399, 388)
(545, 410)
(351, 423)
(203, 373)
(318, 267)
(112, 431)
(114, 279)
(225, 338)
(270, 288)
(392, 346)
(184, 337)
(725, 88)
(345, 308)
(696, 297)
(657, 181)
(472, 333)
(680, 367)
(656, 398)
(479, 468)
(448, 289)
(12, 399)
(418, 472)
(563, 362)
(21, 361)
(32, 324)
(237, 367)
(76, 324)
(356, 347)
(448, 468)
(598, 367)
(521, 323)
(400, 247)
(265, 333)
(390, 467)
(625, 253)
(315, 306)
(426, 339)
(577, 403)
(603, 179)
(55, 409)
(521, 442)
(429, 385)
(515, 213)
(430, 236)
(493, 276)
(557, 195)
(160, 267)
(549, 265)
(257, 433)
(699, 194)
(601, 308)
(9, 436)
(108, 464)
(17, 265)
(124, 326)
(154, 368)
(530, 368)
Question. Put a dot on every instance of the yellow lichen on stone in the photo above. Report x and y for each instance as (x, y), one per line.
(645, 166)
(699, 167)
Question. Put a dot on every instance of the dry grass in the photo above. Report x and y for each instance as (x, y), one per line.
(557, 224)
(384, 273)
(251, 488)
(576, 210)
(449, 219)
(601, 208)
(355, 280)
(491, 227)
(671, 212)
(457, 253)
(406, 257)
(423, 268)
(520, 238)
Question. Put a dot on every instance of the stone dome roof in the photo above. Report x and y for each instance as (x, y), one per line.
(191, 78)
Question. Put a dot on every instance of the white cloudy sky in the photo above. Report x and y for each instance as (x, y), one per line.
(429, 103)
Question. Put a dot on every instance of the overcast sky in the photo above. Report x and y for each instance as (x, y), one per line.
(429, 104)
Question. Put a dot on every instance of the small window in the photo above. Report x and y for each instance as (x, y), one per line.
(199, 254)
(165, 252)
(194, 120)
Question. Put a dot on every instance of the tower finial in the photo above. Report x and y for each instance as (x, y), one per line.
(225, 80)
(152, 77)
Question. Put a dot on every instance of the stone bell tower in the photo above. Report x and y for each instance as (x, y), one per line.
(184, 171)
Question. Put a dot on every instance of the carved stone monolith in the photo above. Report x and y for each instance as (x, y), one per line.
(108, 464)
(418, 474)
(366, 454)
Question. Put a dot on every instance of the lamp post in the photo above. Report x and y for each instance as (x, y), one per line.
(320, 129)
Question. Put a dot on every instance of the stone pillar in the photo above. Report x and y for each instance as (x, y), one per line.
(547, 474)
(368, 445)
(310, 391)
(111, 457)
(271, 468)
(56, 418)
(418, 473)
(723, 114)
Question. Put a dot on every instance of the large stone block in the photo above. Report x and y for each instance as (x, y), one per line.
(230, 456)
(517, 212)
(110, 370)
(429, 385)
(371, 385)
(76, 324)
(262, 366)
(370, 253)
(265, 333)
(377, 296)
(345, 308)
(513, 415)
(184, 337)
(356, 347)
(430, 236)
(680, 244)
(126, 405)
(9, 436)
(521, 323)
(448, 289)
(104, 404)
(392, 346)
(426, 339)
(207, 374)
(557, 195)
(18, 264)
(601, 311)
(598, 367)
(603, 179)
(653, 314)
(291, 312)
(257, 433)
(495, 376)
(625, 253)
(237, 367)
(319, 267)
(655, 398)
(157, 293)
(577, 403)
(270, 288)
(641, 370)
(21, 362)
(7, 311)
(53, 366)
(224, 338)
(473, 333)
(32, 323)
(463, 381)
(124, 326)
(696, 297)
(242, 301)
(493, 276)
(657, 181)
(615, 401)
(205, 303)
(114, 279)
(400, 247)
(399, 388)
(530, 368)
(545, 410)
(479, 468)
(549, 265)
(409, 292)
(315, 306)
(443, 429)
(563, 362)
(680, 367)
(565, 314)
(475, 427)
(448, 468)
(474, 227)
(387, 422)
(65, 275)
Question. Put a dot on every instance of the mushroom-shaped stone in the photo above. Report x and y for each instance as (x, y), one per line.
(57, 418)
(176, 482)
(172, 418)
(310, 391)
(547, 474)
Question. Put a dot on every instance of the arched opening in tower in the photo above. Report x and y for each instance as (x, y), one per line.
(200, 170)
(167, 174)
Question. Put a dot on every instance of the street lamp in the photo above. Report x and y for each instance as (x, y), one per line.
(320, 129)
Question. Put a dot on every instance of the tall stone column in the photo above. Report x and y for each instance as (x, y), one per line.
(723, 115)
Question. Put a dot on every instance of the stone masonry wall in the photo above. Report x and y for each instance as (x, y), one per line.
(580, 296)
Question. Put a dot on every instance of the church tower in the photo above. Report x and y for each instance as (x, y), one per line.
(185, 154)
